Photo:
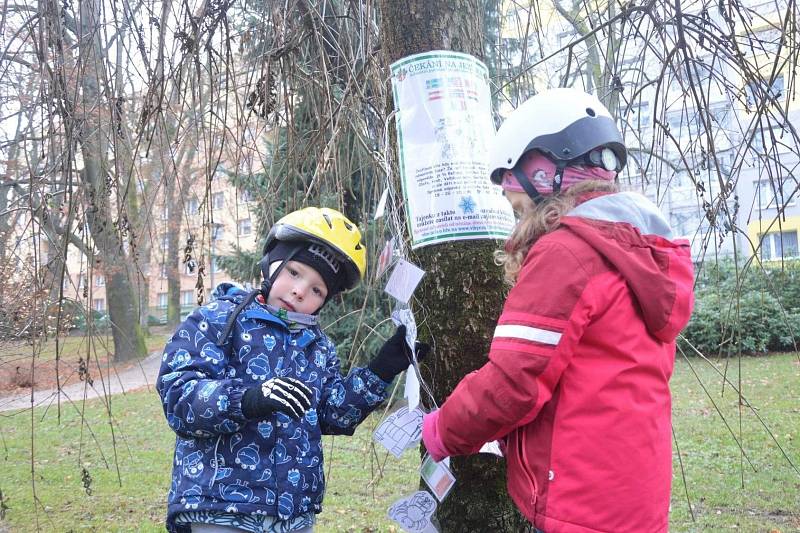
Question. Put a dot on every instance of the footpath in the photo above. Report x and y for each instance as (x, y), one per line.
(135, 377)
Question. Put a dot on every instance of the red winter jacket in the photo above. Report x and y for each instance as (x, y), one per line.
(577, 381)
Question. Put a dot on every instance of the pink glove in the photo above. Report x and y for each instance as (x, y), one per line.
(430, 436)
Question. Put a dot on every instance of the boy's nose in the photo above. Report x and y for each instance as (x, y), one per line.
(298, 292)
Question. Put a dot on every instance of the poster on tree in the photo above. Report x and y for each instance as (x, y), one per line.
(444, 126)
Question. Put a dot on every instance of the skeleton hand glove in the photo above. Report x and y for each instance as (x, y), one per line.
(395, 355)
(288, 395)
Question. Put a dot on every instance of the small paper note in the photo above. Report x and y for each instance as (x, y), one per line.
(403, 315)
(411, 392)
(438, 477)
(386, 257)
(400, 431)
(414, 512)
(492, 447)
(404, 279)
(381, 204)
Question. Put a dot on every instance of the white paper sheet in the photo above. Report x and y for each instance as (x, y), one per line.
(491, 447)
(404, 316)
(404, 280)
(381, 209)
(444, 124)
(411, 393)
(414, 512)
(400, 431)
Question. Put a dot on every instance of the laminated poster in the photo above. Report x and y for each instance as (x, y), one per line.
(444, 125)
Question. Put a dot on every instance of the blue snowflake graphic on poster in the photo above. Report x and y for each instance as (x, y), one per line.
(467, 204)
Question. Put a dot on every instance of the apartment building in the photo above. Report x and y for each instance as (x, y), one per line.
(217, 218)
(754, 161)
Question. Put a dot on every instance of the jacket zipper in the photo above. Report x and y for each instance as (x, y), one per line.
(530, 477)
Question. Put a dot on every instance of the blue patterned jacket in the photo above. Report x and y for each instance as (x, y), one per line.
(226, 463)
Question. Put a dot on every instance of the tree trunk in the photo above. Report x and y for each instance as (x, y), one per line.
(94, 113)
(173, 251)
(463, 287)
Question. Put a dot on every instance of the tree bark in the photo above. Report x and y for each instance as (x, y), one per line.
(94, 112)
(463, 288)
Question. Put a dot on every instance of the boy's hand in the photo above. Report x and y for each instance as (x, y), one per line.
(288, 395)
(395, 355)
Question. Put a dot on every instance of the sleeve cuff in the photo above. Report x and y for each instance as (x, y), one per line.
(235, 396)
(431, 438)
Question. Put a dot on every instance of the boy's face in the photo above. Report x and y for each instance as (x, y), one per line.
(298, 288)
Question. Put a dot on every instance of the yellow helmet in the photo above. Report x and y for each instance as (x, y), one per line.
(329, 228)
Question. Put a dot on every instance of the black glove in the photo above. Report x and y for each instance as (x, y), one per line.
(288, 395)
(395, 355)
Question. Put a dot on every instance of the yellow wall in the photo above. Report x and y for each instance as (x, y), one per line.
(768, 226)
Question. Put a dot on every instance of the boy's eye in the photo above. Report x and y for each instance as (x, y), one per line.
(317, 291)
(292, 272)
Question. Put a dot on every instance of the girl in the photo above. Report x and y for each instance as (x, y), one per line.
(577, 383)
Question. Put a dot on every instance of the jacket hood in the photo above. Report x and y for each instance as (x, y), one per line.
(629, 231)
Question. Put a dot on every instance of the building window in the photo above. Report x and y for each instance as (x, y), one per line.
(721, 114)
(164, 242)
(192, 206)
(683, 121)
(767, 41)
(215, 268)
(82, 281)
(161, 301)
(639, 115)
(99, 280)
(187, 297)
(774, 140)
(245, 227)
(99, 304)
(245, 196)
(772, 194)
(165, 212)
(757, 90)
(217, 231)
(782, 245)
(218, 200)
(163, 270)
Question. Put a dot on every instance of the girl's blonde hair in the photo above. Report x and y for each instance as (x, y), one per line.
(541, 219)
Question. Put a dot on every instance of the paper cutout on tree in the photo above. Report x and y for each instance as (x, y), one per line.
(401, 430)
(414, 512)
(404, 279)
(438, 477)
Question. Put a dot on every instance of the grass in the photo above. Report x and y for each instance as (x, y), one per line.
(16, 358)
(357, 496)
(729, 490)
(74, 346)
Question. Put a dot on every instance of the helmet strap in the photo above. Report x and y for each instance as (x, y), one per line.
(558, 178)
(527, 185)
(267, 279)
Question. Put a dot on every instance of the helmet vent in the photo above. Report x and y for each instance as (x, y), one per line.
(347, 226)
(590, 112)
(358, 246)
(328, 220)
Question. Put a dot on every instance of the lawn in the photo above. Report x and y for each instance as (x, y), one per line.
(70, 456)
(16, 358)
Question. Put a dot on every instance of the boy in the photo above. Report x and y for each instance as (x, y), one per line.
(249, 383)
